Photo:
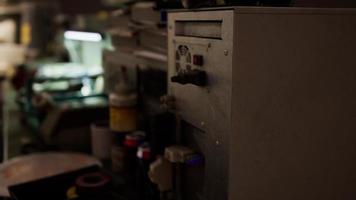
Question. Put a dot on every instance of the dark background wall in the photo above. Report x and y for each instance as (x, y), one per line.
(74, 6)
(326, 3)
(92, 6)
(80, 6)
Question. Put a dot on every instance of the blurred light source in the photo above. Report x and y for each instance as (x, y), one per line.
(83, 36)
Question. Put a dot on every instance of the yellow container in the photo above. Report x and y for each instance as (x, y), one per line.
(123, 112)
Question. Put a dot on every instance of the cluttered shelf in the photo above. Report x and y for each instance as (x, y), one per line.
(64, 106)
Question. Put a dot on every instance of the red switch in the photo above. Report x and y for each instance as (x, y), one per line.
(198, 60)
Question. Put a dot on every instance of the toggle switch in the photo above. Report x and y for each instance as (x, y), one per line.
(195, 77)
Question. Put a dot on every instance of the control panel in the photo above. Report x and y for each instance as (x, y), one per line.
(188, 67)
(200, 65)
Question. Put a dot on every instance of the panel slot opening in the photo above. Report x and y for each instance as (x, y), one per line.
(211, 29)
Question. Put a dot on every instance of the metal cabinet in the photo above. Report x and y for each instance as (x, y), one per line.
(275, 113)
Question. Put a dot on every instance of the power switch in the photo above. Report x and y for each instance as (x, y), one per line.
(195, 77)
(198, 60)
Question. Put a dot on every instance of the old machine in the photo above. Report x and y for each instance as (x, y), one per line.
(267, 95)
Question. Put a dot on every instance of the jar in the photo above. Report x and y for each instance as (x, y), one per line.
(123, 112)
(101, 138)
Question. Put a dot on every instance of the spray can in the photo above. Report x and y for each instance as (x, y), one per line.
(146, 189)
(131, 143)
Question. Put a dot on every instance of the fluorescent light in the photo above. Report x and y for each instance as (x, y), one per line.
(83, 36)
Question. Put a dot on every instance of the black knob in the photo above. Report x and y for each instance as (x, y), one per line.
(195, 77)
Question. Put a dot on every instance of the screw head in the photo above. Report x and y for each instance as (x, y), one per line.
(226, 52)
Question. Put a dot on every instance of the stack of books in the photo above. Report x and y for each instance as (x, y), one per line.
(123, 35)
(154, 39)
(146, 13)
(152, 34)
(139, 40)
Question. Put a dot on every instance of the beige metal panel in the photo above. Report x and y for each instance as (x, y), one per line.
(294, 10)
(217, 66)
(294, 107)
(273, 10)
(207, 108)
